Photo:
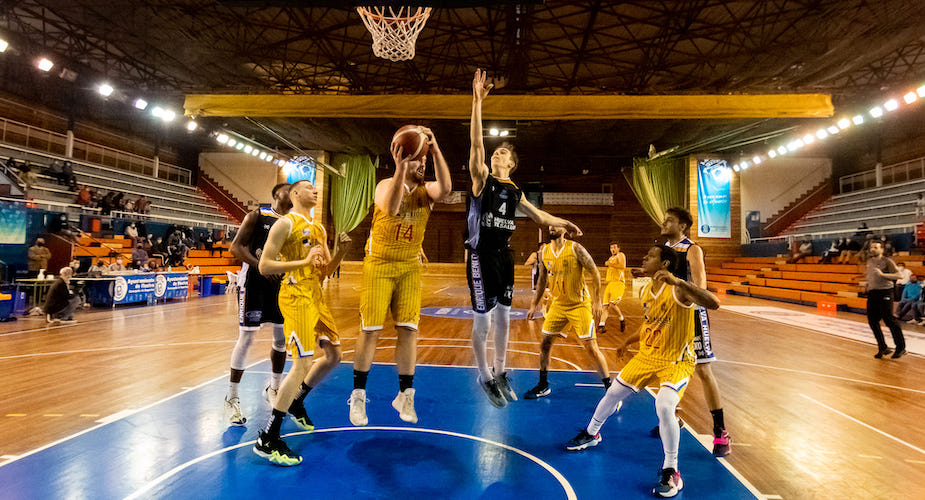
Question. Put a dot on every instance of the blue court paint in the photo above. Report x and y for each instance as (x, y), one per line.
(185, 441)
(465, 312)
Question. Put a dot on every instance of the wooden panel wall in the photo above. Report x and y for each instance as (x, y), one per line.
(717, 250)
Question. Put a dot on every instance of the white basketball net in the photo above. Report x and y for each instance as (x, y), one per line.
(394, 32)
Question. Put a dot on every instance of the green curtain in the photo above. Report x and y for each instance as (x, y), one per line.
(658, 184)
(353, 194)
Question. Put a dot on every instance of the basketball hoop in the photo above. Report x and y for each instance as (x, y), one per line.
(394, 33)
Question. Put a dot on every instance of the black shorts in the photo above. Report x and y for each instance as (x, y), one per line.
(258, 301)
(491, 279)
(702, 347)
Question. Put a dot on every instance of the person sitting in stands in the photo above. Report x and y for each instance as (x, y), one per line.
(84, 197)
(55, 170)
(26, 174)
(852, 247)
(117, 266)
(61, 301)
(832, 252)
(67, 175)
(910, 299)
(143, 205)
(805, 250)
(132, 232)
(98, 269)
(139, 256)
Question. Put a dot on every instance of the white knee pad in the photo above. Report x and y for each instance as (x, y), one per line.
(666, 402)
(279, 338)
(239, 353)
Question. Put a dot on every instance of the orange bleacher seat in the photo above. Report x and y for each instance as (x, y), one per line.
(825, 277)
(793, 295)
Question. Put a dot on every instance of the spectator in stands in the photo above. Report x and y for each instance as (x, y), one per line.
(887, 245)
(61, 301)
(129, 205)
(881, 273)
(75, 266)
(39, 255)
(107, 203)
(909, 300)
(177, 254)
(863, 231)
(95, 198)
(832, 252)
(26, 174)
(118, 202)
(98, 269)
(151, 266)
(805, 250)
(55, 170)
(84, 197)
(132, 233)
(143, 205)
(209, 244)
(905, 276)
(159, 250)
(852, 247)
(117, 266)
(920, 206)
(11, 164)
(139, 256)
(67, 174)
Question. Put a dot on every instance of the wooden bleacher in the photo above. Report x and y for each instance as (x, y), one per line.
(804, 283)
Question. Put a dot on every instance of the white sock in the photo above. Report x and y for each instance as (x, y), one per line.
(608, 404)
(233, 389)
(275, 379)
(481, 323)
(501, 319)
(666, 403)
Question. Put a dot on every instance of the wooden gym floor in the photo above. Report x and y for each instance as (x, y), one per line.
(812, 415)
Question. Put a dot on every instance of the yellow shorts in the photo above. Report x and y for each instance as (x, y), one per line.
(576, 319)
(642, 371)
(390, 286)
(613, 292)
(306, 318)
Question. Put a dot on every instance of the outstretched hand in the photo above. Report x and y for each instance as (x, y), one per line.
(479, 89)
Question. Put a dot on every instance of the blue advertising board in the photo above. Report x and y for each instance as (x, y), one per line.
(713, 199)
(132, 288)
(171, 285)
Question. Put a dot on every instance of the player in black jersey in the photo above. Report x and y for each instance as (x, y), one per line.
(257, 302)
(493, 201)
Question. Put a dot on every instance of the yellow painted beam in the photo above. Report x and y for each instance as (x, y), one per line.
(514, 107)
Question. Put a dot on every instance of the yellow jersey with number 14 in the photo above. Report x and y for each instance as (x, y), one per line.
(304, 235)
(399, 237)
(667, 334)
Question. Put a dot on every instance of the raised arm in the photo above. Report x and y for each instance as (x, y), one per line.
(587, 263)
(239, 245)
(389, 192)
(478, 171)
(269, 258)
(545, 219)
(441, 187)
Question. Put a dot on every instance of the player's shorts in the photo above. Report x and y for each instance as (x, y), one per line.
(258, 301)
(642, 371)
(491, 279)
(390, 286)
(613, 292)
(564, 321)
(304, 314)
(702, 346)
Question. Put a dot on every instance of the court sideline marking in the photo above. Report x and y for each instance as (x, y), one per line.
(569, 492)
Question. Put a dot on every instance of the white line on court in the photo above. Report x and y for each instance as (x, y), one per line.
(804, 372)
(440, 290)
(875, 457)
(440, 339)
(706, 445)
(569, 491)
(907, 460)
(72, 436)
(468, 347)
(878, 431)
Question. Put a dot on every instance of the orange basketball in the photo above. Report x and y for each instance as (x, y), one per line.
(412, 140)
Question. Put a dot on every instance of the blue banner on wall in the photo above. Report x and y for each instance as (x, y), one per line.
(142, 287)
(171, 285)
(713, 199)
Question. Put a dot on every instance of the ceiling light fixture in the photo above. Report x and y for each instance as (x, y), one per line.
(44, 64)
(105, 89)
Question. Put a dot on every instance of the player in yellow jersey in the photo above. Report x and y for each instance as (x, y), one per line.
(392, 273)
(573, 309)
(297, 246)
(666, 357)
(615, 285)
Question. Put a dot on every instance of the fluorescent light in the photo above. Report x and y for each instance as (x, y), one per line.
(263, 156)
(247, 148)
(782, 150)
(239, 146)
(910, 97)
(255, 152)
(493, 131)
(891, 105)
(141, 103)
(105, 90)
(833, 129)
(231, 142)
(3, 45)
(756, 160)
(503, 133)
(736, 167)
(44, 64)
(794, 145)
(168, 115)
(921, 91)
(743, 165)
(821, 133)
(772, 154)
(858, 119)
(191, 125)
(876, 112)
(157, 111)
(808, 139)
(844, 123)
(222, 138)
(270, 158)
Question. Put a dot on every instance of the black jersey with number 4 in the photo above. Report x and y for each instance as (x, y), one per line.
(490, 221)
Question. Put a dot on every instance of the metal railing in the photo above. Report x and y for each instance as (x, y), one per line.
(40, 139)
(890, 174)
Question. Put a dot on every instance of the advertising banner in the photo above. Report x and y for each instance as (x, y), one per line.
(713, 199)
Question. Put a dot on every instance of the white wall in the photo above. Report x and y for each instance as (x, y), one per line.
(247, 178)
(771, 186)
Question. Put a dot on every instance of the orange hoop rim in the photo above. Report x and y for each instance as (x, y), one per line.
(420, 13)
